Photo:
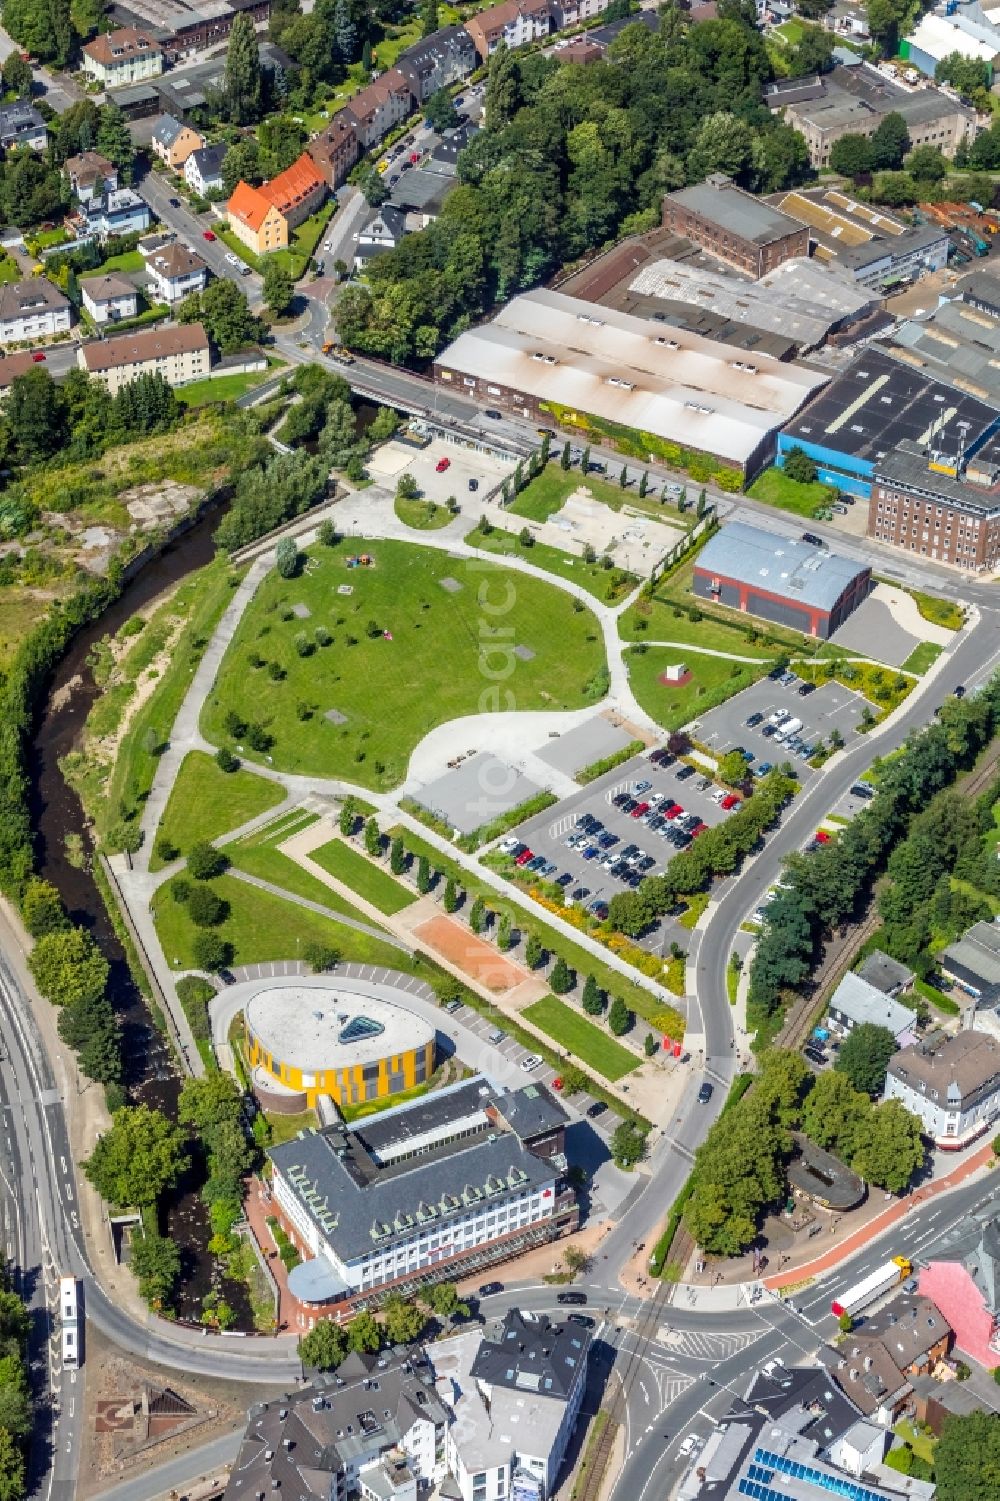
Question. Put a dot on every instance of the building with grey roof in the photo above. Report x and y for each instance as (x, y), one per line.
(792, 583)
(434, 62)
(973, 963)
(21, 126)
(879, 262)
(428, 1191)
(546, 352)
(956, 342)
(951, 1084)
(32, 309)
(981, 289)
(885, 973)
(375, 1425)
(514, 1391)
(855, 1002)
(740, 229)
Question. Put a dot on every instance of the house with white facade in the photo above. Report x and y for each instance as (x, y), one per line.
(485, 1181)
(32, 309)
(121, 212)
(514, 1392)
(175, 272)
(90, 175)
(119, 58)
(22, 127)
(855, 1001)
(203, 169)
(181, 355)
(110, 298)
(952, 1084)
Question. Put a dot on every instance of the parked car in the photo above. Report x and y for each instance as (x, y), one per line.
(730, 801)
(525, 856)
(531, 1062)
(822, 837)
(38, 357)
(208, 234)
(813, 540)
(442, 465)
(581, 1319)
(684, 773)
(863, 789)
(640, 809)
(493, 414)
(473, 484)
(805, 689)
(705, 1093)
(564, 879)
(814, 1055)
(754, 720)
(596, 1109)
(691, 1442)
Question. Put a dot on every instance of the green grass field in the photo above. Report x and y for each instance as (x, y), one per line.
(921, 657)
(422, 515)
(943, 612)
(604, 583)
(443, 661)
(548, 492)
(774, 488)
(712, 681)
(224, 388)
(261, 926)
(205, 802)
(594, 1046)
(367, 879)
(259, 855)
(661, 624)
(126, 260)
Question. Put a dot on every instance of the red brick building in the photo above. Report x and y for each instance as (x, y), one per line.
(938, 509)
(735, 226)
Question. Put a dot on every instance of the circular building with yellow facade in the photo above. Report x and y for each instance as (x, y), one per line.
(310, 1040)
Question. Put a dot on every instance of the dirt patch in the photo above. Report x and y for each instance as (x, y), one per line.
(139, 1415)
(472, 955)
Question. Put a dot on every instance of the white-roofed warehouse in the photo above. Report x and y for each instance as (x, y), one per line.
(546, 355)
(792, 583)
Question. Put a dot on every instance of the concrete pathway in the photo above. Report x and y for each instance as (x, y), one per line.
(382, 934)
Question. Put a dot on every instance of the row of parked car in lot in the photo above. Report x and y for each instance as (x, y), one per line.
(785, 732)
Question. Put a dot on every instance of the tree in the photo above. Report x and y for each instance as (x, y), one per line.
(443, 1299)
(440, 112)
(43, 29)
(845, 1323)
(68, 967)
(533, 951)
(884, 17)
(345, 31)
(208, 1101)
(561, 978)
(628, 1144)
(12, 1476)
(286, 557)
(593, 997)
(35, 416)
(242, 83)
(477, 915)
(423, 875)
(890, 142)
(967, 1458)
(404, 1321)
(864, 1057)
(204, 861)
(851, 155)
(278, 289)
(348, 817)
(320, 957)
(503, 89)
(926, 164)
(397, 856)
(138, 1158)
(206, 908)
(211, 952)
(17, 75)
(374, 187)
(324, 1347)
(115, 142)
(650, 1045)
(450, 899)
(620, 1018)
(893, 1149)
(241, 163)
(565, 458)
(156, 1263)
(966, 74)
(373, 839)
(504, 932)
(724, 143)
(732, 768)
(364, 1334)
(225, 312)
(574, 1080)
(799, 466)
(428, 17)
(42, 908)
(90, 1027)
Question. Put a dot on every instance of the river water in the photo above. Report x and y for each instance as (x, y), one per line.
(152, 1076)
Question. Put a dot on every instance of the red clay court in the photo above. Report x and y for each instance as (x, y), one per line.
(476, 958)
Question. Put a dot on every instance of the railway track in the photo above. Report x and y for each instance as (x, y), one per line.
(649, 1322)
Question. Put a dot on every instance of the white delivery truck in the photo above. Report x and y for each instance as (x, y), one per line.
(871, 1287)
(786, 731)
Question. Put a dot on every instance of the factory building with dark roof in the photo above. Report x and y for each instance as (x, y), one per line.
(790, 583)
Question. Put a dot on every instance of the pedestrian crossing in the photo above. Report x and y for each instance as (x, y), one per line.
(697, 1345)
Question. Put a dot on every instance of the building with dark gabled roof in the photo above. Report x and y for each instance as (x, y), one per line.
(527, 1352)
(973, 962)
(951, 1084)
(443, 58)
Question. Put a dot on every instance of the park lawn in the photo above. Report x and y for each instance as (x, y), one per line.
(712, 681)
(975, 893)
(125, 260)
(363, 876)
(775, 488)
(599, 581)
(223, 388)
(543, 496)
(258, 854)
(432, 667)
(261, 926)
(422, 515)
(661, 624)
(921, 657)
(205, 802)
(941, 612)
(883, 687)
(286, 1127)
(594, 1046)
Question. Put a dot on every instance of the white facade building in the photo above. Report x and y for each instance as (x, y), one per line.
(952, 1084)
(32, 309)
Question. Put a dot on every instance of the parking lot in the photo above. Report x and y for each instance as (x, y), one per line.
(462, 467)
(830, 706)
(601, 862)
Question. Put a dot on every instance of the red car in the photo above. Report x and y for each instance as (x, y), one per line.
(414, 157)
(699, 828)
(822, 837)
(38, 357)
(730, 801)
(557, 1084)
(672, 810)
(524, 857)
(640, 809)
(442, 465)
(208, 234)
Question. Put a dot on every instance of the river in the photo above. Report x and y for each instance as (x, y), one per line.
(152, 1076)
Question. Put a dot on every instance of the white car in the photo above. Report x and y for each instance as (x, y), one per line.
(689, 1444)
(531, 1062)
(510, 843)
(232, 258)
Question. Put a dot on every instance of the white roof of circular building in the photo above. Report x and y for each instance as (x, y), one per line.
(320, 1027)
